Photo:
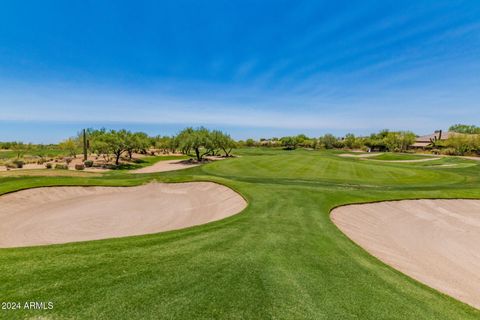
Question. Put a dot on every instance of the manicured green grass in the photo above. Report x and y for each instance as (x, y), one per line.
(282, 258)
(318, 168)
(400, 156)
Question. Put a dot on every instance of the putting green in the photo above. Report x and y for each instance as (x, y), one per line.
(281, 258)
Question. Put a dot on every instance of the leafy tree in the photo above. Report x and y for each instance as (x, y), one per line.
(250, 142)
(20, 148)
(100, 147)
(310, 143)
(289, 142)
(184, 140)
(300, 139)
(109, 142)
(164, 143)
(199, 140)
(407, 138)
(41, 151)
(328, 141)
(392, 142)
(7, 145)
(463, 143)
(463, 128)
(97, 143)
(376, 141)
(399, 141)
(136, 142)
(70, 146)
(476, 144)
(350, 141)
(223, 141)
(173, 144)
(117, 142)
(383, 133)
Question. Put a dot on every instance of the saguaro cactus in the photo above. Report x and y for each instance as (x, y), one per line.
(84, 145)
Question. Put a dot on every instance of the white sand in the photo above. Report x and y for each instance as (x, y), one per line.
(471, 158)
(436, 242)
(166, 165)
(68, 214)
(171, 165)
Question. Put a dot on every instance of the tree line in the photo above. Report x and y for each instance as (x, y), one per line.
(385, 140)
(200, 142)
(464, 140)
(113, 144)
(464, 128)
(460, 144)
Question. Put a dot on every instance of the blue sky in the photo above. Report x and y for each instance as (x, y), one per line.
(252, 68)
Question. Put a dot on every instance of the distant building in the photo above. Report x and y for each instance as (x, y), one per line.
(430, 140)
(269, 143)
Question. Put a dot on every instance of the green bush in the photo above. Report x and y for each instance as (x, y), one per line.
(61, 166)
(449, 151)
(18, 164)
(10, 166)
(88, 163)
(48, 166)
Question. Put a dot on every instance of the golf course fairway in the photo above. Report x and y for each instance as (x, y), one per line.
(280, 258)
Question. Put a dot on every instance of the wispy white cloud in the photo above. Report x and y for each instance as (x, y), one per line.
(287, 112)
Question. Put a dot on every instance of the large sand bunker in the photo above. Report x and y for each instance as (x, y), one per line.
(67, 214)
(433, 241)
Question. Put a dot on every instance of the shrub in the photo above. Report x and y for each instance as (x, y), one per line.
(88, 163)
(48, 165)
(79, 167)
(61, 166)
(18, 164)
(10, 166)
(68, 160)
(462, 143)
(449, 151)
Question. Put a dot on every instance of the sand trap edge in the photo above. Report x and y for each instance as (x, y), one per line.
(222, 220)
(388, 265)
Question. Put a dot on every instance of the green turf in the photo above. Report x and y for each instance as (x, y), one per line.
(388, 156)
(282, 258)
(32, 154)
